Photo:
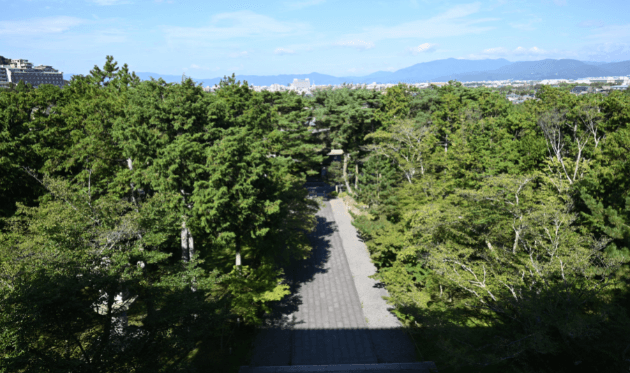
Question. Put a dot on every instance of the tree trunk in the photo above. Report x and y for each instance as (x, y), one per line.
(187, 242)
(345, 172)
(356, 176)
(188, 248)
(133, 186)
(238, 252)
(238, 265)
(107, 328)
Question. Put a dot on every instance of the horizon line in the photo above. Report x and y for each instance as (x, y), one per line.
(359, 76)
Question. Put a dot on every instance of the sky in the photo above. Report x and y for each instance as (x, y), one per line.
(207, 39)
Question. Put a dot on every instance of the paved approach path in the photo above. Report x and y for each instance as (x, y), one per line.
(323, 321)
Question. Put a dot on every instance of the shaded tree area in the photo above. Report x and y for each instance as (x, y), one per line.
(505, 246)
(144, 224)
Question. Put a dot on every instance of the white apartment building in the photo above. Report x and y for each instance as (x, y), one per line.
(276, 88)
(4, 78)
(611, 80)
(23, 70)
(301, 84)
(619, 87)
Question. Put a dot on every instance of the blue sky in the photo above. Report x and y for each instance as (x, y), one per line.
(206, 39)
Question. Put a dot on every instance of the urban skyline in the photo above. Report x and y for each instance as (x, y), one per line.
(14, 70)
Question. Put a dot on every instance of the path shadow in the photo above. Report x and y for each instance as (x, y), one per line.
(299, 272)
(286, 347)
(280, 343)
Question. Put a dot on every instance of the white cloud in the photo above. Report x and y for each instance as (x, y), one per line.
(225, 26)
(357, 44)
(422, 48)
(528, 51)
(450, 23)
(499, 50)
(282, 51)
(302, 4)
(38, 26)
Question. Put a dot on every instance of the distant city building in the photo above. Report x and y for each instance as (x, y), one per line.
(611, 80)
(512, 97)
(4, 78)
(305, 87)
(19, 69)
(619, 87)
(581, 89)
(301, 84)
(276, 88)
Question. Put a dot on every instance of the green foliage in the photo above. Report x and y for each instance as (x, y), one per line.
(377, 182)
(508, 249)
(334, 173)
(500, 230)
(123, 205)
(344, 117)
(256, 288)
(78, 255)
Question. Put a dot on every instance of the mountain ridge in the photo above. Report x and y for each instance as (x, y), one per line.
(439, 70)
(544, 69)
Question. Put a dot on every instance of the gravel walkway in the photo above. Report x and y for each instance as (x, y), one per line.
(375, 308)
(323, 321)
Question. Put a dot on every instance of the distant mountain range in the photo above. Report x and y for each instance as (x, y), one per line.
(441, 71)
(544, 69)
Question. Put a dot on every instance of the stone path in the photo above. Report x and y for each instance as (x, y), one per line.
(322, 321)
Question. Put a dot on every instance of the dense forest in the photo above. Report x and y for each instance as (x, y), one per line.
(144, 223)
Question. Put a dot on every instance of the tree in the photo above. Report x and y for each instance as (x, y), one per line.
(163, 136)
(377, 182)
(404, 144)
(396, 104)
(348, 116)
(24, 115)
(292, 136)
(59, 308)
(523, 264)
(253, 204)
(492, 257)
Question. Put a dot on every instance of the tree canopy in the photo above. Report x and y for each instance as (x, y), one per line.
(143, 220)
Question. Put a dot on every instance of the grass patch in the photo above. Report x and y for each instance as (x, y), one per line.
(355, 208)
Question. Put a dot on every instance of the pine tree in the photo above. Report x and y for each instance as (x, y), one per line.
(377, 183)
